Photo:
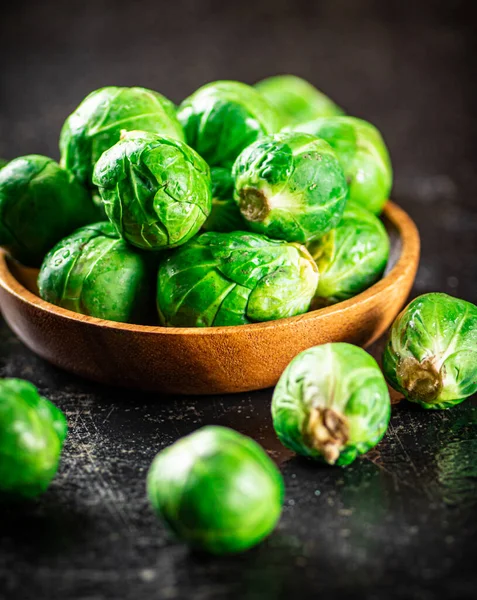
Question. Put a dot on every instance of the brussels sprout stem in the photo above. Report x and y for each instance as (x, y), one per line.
(254, 205)
(328, 432)
(421, 379)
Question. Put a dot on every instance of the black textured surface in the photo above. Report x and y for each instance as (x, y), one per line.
(399, 523)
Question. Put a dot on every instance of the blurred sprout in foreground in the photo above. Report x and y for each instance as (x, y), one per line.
(32, 433)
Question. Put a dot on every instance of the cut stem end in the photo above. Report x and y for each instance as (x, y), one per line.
(328, 432)
(254, 205)
(421, 380)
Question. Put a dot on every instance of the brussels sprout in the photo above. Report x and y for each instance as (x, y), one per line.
(222, 118)
(296, 99)
(290, 186)
(94, 272)
(331, 403)
(97, 123)
(3, 163)
(217, 490)
(431, 355)
(32, 433)
(363, 154)
(225, 214)
(351, 257)
(156, 191)
(234, 278)
(40, 203)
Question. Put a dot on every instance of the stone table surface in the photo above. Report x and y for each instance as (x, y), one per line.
(398, 523)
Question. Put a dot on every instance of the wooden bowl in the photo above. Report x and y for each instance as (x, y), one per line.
(204, 360)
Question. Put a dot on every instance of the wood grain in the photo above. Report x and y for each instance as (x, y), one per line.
(204, 360)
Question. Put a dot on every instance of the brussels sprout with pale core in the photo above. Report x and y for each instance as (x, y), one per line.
(351, 257)
(331, 403)
(431, 354)
(222, 118)
(32, 433)
(296, 99)
(217, 490)
(94, 272)
(40, 203)
(97, 123)
(225, 214)
(234, 278)
(363, 154)
(156, 190)
(290, 186)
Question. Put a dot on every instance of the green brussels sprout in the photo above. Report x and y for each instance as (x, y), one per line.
(296, 99)
(156, 190)
(351, 257)
(97, 123)
(94, 272)
(331, 403)
(3, 163)
(40, 203)
(225, 214)
(431, 354)
(222, 118)
(32, 433)
(363, 154)
(234, 278)
(217, 490)
(290, 186)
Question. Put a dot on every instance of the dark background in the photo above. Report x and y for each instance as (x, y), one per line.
(400, 522)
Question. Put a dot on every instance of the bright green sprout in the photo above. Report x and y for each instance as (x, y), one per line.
(363, 154)
(222, 118)
(97, 123)
(156, 190)
(40, 203)
(217, 490)
(225, 214)
(431, 355)
(331, 403)
(94, 272)
(296, 99)
(233, 279)
(290, 186)
(351, 257)
(32, 433)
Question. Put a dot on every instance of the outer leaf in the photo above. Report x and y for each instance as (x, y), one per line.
(235, 278)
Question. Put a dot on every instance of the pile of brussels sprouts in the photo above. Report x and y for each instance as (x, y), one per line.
(243, 204)
(287, 191)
